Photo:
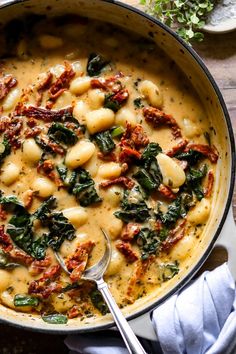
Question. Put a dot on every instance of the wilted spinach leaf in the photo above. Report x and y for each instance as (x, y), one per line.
(5, 149)
(149, 241)
(96, 63)
(149, 176)
(191, 156)
(194, 179)
(62, 135)
(169, 270)
(111, 103)
(133, 208)
(104, 141)
(98, 302)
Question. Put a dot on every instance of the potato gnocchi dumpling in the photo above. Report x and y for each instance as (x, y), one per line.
(97, 132)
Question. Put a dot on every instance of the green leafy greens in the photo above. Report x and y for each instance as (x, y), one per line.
(104, 141)
(96, 63)
(98, 302)
(80, 184)
(62, 135)
(56, 318)
(149, 175)
(21, 227)
(133, 207)
(187, 16)
(5, 149)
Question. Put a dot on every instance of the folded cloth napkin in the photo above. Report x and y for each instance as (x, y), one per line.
(199, 319)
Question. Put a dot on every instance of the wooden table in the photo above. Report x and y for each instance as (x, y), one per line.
(219, 54)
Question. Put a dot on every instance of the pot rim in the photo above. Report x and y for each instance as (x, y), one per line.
(207, 251)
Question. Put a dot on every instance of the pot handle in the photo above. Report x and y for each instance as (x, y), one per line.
(227, 239)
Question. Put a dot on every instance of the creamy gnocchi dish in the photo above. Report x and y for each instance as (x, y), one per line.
(99, 129)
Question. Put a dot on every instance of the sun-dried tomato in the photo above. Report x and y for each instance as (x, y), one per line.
(130, 231)
(210, 183)
(28, 198)
(13, 131)
(3, 214)
(107, 157)
(126, 249)
(6, 83)
(166, 192)
(31, 133)
(61, 84)
(47, 168)
(45, 114)
(209, 151)
(157, 117)
(38, 266)
(174, 236)
(134, 137)
(42, 86)
(109, 84)
(177, 148)
(73, 312)
(5, 240)
(128, 153)
(21, 257)
(126, 181)
(76, 263)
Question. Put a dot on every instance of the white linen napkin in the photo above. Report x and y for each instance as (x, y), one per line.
(199, 319)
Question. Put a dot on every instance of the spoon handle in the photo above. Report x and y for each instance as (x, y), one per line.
(132, 343)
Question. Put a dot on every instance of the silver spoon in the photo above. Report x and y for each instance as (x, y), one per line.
(95, 273)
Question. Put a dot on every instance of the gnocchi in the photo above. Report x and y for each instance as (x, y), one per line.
(109, 170)
(10, 173)
(31, 152)
(125, 115)
(77, 216)
(152, 93)
(99, 120)
(80, 85)
(43, 187)
(79, 154)
(200, 213)
(173, 175)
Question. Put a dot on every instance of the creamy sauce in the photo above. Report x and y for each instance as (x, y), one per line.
(139, 61)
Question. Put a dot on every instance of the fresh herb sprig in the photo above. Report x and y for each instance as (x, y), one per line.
(186, 17)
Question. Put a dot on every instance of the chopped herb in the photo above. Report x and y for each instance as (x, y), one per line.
(96, 63)
(25, 300)
(98, 302)
(104, 141)
(62, 135)
(5, 149)
(117, 132)
(134, 207)
(55, 318)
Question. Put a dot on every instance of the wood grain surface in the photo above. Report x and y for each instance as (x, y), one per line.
(219, 54)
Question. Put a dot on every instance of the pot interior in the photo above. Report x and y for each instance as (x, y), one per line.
(203, 84)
